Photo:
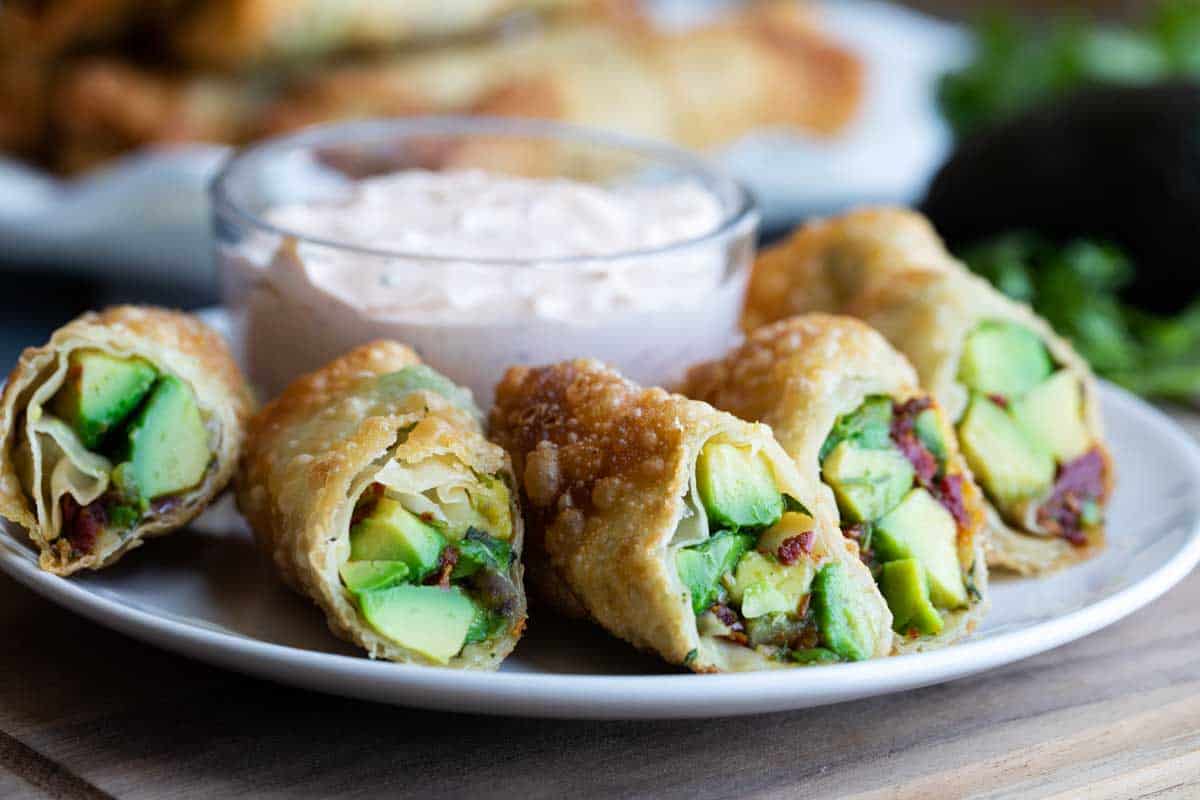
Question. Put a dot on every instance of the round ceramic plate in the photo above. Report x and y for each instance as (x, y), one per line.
(207, 593)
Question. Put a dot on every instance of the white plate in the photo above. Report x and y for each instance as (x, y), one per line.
(209, 595)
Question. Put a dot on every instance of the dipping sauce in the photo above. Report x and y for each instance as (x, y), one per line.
(479, 271)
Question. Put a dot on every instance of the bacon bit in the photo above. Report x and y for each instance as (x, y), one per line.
(949, 493)
(727, 616)
(1077, 482)
(810, 637)
(367, 502)
(999, 400)
(792, 548)
(446, 562)
(83, 525)
(903, 434)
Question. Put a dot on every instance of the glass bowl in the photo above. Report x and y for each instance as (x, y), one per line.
(300, 295)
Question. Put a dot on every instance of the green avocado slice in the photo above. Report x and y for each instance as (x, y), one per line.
(867, 483)
(428, 619)
(393, 533)
(840, 615)
(737, 487)
(366, 576)
(166, 444)
(906, 590)
(701, 566)
(1009, 465)
(921, 528)
(1002, 358)
(101, 390)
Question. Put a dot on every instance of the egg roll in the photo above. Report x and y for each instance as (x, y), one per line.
(679, 528)
(124, 426)
(847, 407)
(371, 487)
(1026, 407)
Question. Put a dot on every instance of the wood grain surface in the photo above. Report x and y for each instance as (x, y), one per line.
(86, 713)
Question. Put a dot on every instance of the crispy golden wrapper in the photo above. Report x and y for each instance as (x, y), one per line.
(888, 267)
(175, 343)
(605, 466)
(312, 452)
(798, 376)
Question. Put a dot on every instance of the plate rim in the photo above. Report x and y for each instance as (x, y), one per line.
(596, 696)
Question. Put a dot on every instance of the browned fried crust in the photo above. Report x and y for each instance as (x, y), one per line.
(604, 465)
(889, 268)
(309, 449)
(798, 376)
(175, 342)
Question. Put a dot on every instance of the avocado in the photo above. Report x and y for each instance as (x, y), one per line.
(477, 550)
(1009, 465)
(737, 487)
(869, 426)
(867, 483)
(100, 391)
(428, 619)
(393, 533)
(1001, 358)
(931, 433)
(921, 528)
(840, 615)
(792, 523)
(1052, 413)
(762, 585)
(701, 566)
(366, 576)
(904, 586)
(166, 444)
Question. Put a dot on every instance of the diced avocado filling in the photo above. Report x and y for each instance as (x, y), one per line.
(751, 580)
(840, 616)
(894, 496)
(100, 392)
(148, 424)
(432, 585)
(1023, 427)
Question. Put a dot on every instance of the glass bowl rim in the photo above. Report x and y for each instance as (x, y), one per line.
(732, 220)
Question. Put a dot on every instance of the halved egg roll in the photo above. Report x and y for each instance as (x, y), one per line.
(1025, 405)
(681, 529)
(124, 426)
(847, 408)
(371, 486)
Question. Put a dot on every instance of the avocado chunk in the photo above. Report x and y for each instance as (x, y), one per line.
(484, 625)
(867, 483)
(904, 586)
(701, 566)
(869, 426)
(366, 576)
(763, 585)
(166, 445)
(1003, 359)
(393, 533)
(1008, 464)
(931, 433)
(428, 619)
(843, 620)
(737, 487)
(100, 392)
(1052, 413)
(921, 528)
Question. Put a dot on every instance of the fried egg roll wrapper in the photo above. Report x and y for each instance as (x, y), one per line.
(605, 466)
(889, 268)
(798, 376)
(42, 461)
(312, 452)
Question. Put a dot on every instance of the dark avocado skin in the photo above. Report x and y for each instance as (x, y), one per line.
(1120, 164)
